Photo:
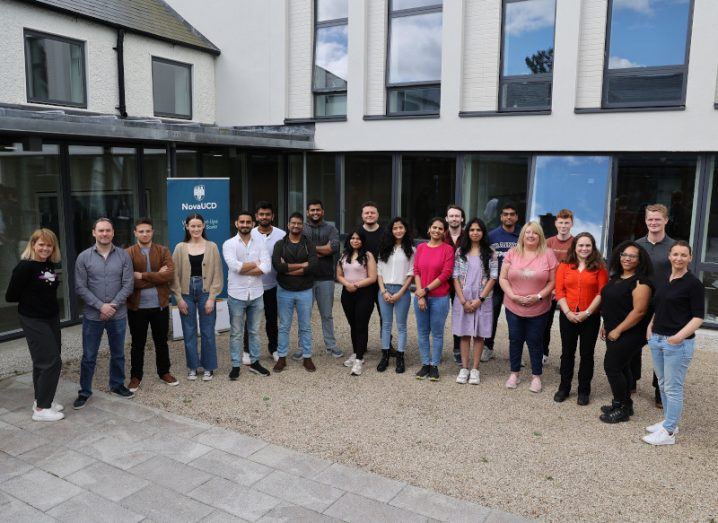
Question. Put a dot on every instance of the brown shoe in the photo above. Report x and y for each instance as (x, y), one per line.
(134, 384)
(309, 365)
(281, 363)
(169, 379)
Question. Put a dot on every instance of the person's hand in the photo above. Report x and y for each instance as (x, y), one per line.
(209, 306)
(138, 275)
(183, 308)
(422, 304)
(613, 335)
(649, 333)
(107, 311)
(603, 333)
(573, 317)
(675, 340)
(350, 287)
(164, 268)
(387, 296)
(419, 293)
(468, 308)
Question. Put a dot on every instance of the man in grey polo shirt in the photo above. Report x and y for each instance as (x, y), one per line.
(103, 280)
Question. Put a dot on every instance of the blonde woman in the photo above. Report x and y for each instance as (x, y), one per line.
(528, 275)
(33, 286)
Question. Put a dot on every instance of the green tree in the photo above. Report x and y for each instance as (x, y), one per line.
(541, 61)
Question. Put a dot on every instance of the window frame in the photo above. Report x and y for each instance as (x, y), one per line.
(400, 86)
(28, 69)
(635, 72)
(321, 91)
(522, 78)
(186, 65)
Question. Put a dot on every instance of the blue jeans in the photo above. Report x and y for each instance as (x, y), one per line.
(671, 364)
(401, 309)
(431, 321)
(195, 301)
(530, 331)
(287, 301)
(239, 310)
(323, 293)
(91, 337)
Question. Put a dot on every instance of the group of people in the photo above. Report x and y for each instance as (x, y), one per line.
(644, 294)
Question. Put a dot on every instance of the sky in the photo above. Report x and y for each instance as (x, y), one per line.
(415, 53)
(331, 51)
(528, 28)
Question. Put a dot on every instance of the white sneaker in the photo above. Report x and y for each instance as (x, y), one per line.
(660, 437)
(474, 377)
(208, 375)
(350, 361)
(658, 426)
(46, 415)
(275, 356)
(55, 406)
(192, 375)
(544, 360)
(487, 354)
(463, 376)
(246, 360)
(356, 367)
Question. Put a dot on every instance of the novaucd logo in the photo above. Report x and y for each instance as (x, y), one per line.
(199, 192)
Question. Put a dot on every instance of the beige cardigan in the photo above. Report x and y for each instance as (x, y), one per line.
(212, 271)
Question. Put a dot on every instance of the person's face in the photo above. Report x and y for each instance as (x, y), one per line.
(398, 230)
(316, 213)
(195, 228)
(680, 257)
(563, 225)
(656, 222)
(143, 233)
(42, 249)
(584, 248)
(355, 241)
(629, 258)
(103, 233)
(369, 215)
(244, 224)
(264, 217)
(531, 238)
(508, 218)
(475, 232)
(453, 217)
(436, 230)
(295, 226)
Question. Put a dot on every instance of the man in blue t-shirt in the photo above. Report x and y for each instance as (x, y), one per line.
(501, 239)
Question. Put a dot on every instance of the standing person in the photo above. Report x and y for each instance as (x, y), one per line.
(455, 218)
(502, 240)
(356, 271)
(657, 244)
(33, 286)
(198, 280)
(295, 260)
(325, 238)
(560, 244)
(679, 312)
(625, 303)
(528, 276)
(395, 272)
(433, 266)
(475, 274)
(270, 235)
(148, 305)
(103, 281)
(247, 260)
(579, 280)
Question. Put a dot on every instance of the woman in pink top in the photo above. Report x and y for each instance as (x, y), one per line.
(433, 266)
(528, 275)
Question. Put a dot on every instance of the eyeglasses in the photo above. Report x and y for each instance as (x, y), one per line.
(629, 256)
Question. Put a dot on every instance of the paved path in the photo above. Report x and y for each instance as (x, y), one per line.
(118, 461)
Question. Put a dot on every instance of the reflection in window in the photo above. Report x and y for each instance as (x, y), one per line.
(414, 76)
(579, 183)
(710, 283)
(647, 53)
(330, 58)
(322, 183)
(427, 187)
(710, 240)
(172, 88)
(527, 54)
(646, 180)
(366, 177)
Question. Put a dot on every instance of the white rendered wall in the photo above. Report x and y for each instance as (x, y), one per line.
(375, 50)
(591, 46)
(300, 26)
(481, 55)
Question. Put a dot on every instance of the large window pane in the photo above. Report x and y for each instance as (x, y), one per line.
(155, 191)
(578, 183)
(172, 88)
(330, 105)
(295, 196)
(55, 69)
(322, 183)
(710, 240)
(266, 182)
(657, 87)
(427, 186)
(415, 49)
(528, 37)
(330, 67)
(491, 181)
(332, 9)
(365, 178)
(187, 166)
(710, 282)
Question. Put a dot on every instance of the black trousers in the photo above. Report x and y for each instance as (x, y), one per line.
(358, 307)
(457, 339)
(497, 301)
(43, 340)
(549, 323)
(270, 321)
(159, 320)
(617, 363)
(583, 335)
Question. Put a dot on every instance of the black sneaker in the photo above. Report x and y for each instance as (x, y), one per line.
(123, 392)
(80, 402)
(434, 373)
(234, 373)
(560, 396)
(258, 369)
(423, 372)
(582, 400)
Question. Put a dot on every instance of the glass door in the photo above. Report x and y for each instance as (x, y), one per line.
(705, 256)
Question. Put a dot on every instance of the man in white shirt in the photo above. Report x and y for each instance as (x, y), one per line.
(248, 260)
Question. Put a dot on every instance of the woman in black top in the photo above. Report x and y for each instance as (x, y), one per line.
(679, 310)
(625, 301)
(33, 286)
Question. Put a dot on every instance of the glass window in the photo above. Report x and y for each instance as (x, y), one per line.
(646, 180)
(710, 282)
(296, 183)
(366, 177)
(154, 163)
(332, 10)
(527, 54)
(710, 240)
(187, 165)
(172, 88)
(330, 58)
(55, 69)
(414, 57)
(647, 52)
(491, 181)
(322, 183)
(428, 185)
(578, 183)
(266, 182)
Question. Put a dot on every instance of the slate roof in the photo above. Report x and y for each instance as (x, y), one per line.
(153, 18)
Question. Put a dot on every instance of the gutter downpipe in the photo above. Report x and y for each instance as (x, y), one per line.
(120, 49)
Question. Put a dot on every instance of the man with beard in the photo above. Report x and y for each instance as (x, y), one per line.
(455, 217)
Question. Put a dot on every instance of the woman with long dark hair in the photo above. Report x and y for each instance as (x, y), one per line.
(198, 280)
(579, 281)
(476, 269)
(625, 302)
(395, 270)
(356, 271)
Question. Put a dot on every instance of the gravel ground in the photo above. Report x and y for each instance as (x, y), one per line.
(510, 450)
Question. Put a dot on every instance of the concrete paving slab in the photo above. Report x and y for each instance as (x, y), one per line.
(57, 460)
(39, 489)
(372, 486)
(300, 491)
(107, 481)
(438, 506)
(231, 442)
(165, 506)
(171, 474)
(219, 516)
(353, 508)
(15, 441)
(231, 467)
(179, 449)
(11, 466)
(91, 508)
(117, 453)
(291, 461)
(235, 499)
(295, 514)
(19, 512)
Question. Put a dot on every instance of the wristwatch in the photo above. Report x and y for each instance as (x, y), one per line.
(482, 299)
